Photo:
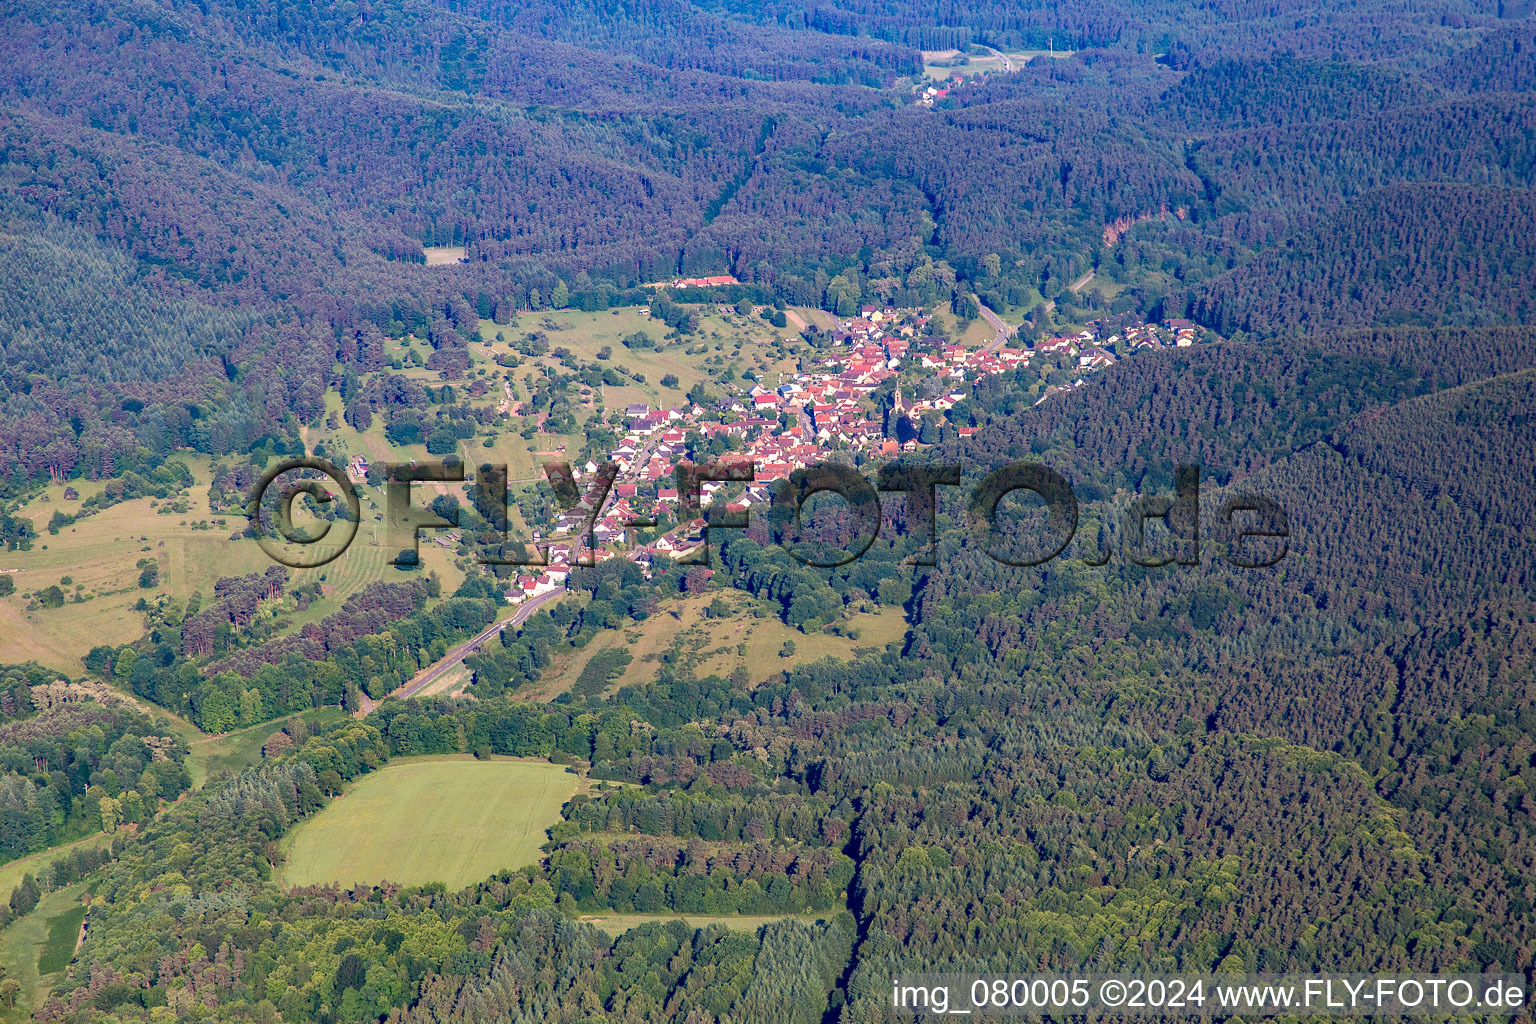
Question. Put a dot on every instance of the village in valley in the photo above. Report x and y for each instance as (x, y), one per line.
(703, 371)
(824, 412)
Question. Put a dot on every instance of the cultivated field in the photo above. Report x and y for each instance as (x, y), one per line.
(449, 819)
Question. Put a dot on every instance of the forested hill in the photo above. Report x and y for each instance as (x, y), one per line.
(257, 179)
(1286, 90)
(1237, 408)
(1416, 254)
(215, 218)
(1503, 61)
(1394, 454)
(1183, 32)
(1125, 719)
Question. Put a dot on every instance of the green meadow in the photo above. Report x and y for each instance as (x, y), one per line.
(450, 819)
(35, 947)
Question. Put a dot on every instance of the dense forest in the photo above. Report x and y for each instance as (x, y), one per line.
(252, 183)
(1068, 767)
(77, 759)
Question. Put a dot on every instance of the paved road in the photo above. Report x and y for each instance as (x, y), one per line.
(1004, 332)
(428, 675)
(1007, 61)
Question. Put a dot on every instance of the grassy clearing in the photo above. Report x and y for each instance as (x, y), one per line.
(814, 317)
(974, 334)
(63, 935)
(618, 924)
(727, 340)
(450, 682)
(449, 819)
(943, 64)
(683, 635)
(99, 556)
(586, 333)
(11, 874)
(522, 456)
(233, 751)
(26, 939)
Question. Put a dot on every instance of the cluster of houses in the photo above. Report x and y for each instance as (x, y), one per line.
(801, 420)
(704, 282)
(1103, 344)
(929, 95)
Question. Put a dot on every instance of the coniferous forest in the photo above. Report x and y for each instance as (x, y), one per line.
(214, 224)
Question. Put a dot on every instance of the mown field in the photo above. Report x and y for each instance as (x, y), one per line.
(685, 636)
(63, 935)
(449, 819)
